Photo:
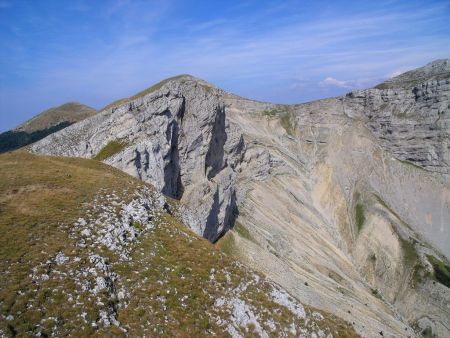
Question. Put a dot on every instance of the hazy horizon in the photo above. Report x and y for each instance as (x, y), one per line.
(289, 52)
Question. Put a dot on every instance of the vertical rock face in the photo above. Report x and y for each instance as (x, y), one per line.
(176, 138)
(411, 123)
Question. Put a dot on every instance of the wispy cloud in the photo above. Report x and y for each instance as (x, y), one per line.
(5, 4)
(350, 84)
(330, 81)
(288, 52)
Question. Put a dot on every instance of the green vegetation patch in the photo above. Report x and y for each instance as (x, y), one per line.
(411, 260)
(382, 86)
(441, 270)
(112, 148)
(270, 113)
(40, 198)
(360, 218)
(428, 333)
(285, 115)
(206, 88)
(226, 243)
(419, 273)
(409, 252)
(243, 231)
(286, 123)
(156, 87)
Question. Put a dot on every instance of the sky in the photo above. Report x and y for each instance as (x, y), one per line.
(95, 52)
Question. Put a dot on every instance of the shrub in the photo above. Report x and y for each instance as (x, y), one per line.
(441, 270)
(359, 216)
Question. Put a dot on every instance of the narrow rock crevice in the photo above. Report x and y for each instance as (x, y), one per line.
(172, 179)
(214, 161)
(213, 222)
(173, 187)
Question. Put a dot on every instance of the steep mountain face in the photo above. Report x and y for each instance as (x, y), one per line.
(345, 202)
(176, 138)
(43, 124)
(87, 250)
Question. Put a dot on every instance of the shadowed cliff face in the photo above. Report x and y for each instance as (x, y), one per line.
(342, 201)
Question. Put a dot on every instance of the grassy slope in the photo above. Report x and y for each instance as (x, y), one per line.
(170, 291)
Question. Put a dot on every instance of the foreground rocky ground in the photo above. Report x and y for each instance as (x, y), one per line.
(88, 250)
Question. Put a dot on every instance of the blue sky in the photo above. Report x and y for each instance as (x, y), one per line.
(95, 52)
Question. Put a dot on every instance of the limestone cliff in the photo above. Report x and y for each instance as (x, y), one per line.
(178, 139)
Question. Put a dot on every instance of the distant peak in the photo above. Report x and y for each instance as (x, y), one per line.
(69, 112)
(435, 70)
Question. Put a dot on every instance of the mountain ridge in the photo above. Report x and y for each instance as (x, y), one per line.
(341, 201)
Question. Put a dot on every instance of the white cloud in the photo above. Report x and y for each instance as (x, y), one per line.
(350, 84)
(331, 81)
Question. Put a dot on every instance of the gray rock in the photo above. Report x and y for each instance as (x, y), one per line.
(178, 139)
(413, 124)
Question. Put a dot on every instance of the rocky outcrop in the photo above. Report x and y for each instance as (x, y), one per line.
(176, 138)
(413, 124)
